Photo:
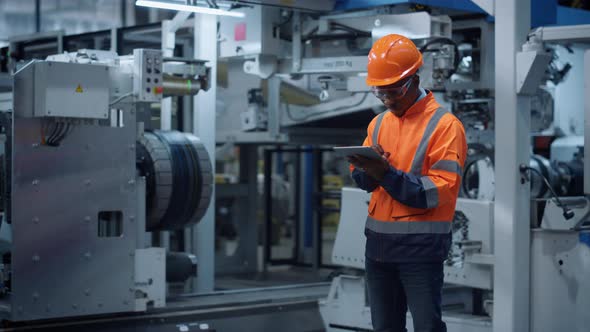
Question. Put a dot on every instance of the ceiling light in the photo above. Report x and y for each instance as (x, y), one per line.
(187, 8)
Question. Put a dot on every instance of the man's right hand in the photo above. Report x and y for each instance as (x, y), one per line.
(377, 148)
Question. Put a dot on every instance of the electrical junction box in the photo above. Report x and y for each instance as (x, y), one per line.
(147, 75)
(256, 33)
(65, 90)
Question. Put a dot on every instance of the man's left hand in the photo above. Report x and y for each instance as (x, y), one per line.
(375, 168)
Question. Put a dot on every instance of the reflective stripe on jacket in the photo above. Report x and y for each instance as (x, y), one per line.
(411, 210)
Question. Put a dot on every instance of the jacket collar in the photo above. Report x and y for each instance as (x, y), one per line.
(428, 103)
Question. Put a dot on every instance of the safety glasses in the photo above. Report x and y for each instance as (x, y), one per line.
(392, 93)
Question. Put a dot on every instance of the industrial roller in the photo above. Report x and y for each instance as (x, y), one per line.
(179, 179)
(180, 86)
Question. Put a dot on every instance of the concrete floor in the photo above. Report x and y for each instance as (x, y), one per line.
(278, 275)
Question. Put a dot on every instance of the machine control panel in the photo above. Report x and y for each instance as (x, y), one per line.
(147, 78)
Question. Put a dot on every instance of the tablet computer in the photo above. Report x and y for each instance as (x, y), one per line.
(365, 151)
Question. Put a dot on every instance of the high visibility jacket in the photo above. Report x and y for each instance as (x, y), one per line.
(411, 210)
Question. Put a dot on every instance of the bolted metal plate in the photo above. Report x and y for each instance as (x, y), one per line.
(349, 247)
(60, 265)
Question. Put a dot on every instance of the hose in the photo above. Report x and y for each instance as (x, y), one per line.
(567, 213)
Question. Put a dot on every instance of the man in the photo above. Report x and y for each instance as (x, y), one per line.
(414, 190)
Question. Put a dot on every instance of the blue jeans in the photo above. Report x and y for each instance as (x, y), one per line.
(393, 287)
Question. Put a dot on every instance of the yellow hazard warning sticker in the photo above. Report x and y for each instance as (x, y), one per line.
(79, 89)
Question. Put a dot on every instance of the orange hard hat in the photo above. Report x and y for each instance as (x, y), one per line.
(391, 59)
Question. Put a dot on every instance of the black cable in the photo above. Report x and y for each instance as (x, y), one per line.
(61, 137)
(332, 36)
(352, 34)
(311, 33)
(60, 132)
(482, 153)
(238, 6)
(47, 134)
(212, 4)
(432, 50)
(567, 213)
(287, 20)
(305, 38)
(359, 33)
(56, 129)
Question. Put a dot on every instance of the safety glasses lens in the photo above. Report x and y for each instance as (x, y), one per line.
(391, 93)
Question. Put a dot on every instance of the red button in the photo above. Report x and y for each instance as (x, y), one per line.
(240, 32)
(158, 90)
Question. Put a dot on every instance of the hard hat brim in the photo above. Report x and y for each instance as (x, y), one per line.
(392, 80)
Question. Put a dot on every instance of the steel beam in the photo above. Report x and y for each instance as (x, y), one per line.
(274, 106)
(564, 34)
(344, 64)
(169, 28)
(296, 43)
(587, 122)
(204, 127)
(511, 210)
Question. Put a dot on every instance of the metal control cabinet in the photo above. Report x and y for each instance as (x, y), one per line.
(56, 89)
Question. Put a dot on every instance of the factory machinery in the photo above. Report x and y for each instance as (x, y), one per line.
(86, 183)
(89, 175)
(85, 180)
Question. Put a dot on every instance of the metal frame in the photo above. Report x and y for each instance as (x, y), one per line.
(204, 126)
(279, 308)
(169, 28)
(511, 208)
(587, 121)
(121, 39)
(564, 34)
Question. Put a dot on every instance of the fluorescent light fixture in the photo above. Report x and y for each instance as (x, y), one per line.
(187, 8)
